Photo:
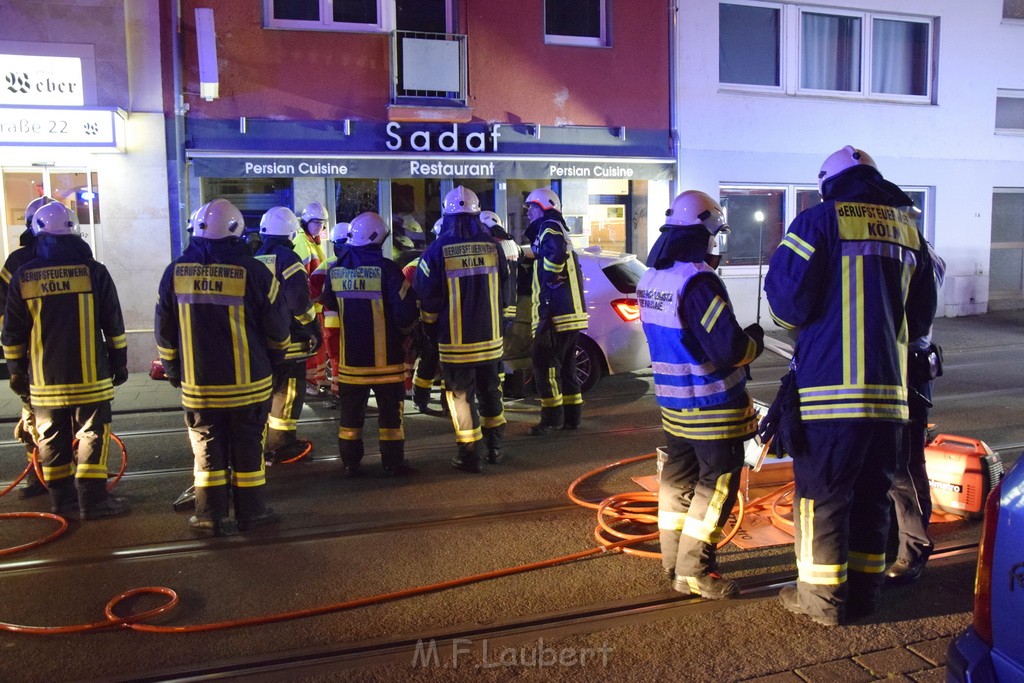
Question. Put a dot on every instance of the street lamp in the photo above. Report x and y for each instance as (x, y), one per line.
(759, 217)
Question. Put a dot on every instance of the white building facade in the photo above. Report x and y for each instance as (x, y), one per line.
(932, 89)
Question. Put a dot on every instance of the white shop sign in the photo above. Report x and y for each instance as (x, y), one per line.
(58, 127)
(36, 80)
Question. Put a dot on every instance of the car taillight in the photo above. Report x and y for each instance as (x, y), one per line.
(983, 578)
(627, 309)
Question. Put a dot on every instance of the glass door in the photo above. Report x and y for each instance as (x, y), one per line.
(77, 189)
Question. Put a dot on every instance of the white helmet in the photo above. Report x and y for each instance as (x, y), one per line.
(696, 208)
(545, 198)
(218, 220)
(55, 219)
(193, 219)
(367, 228)
(437, 226)
(837, 162)
(339, 233)
(279, 220)
(490, 219)
(33, 206)
(460, 200)
(315, 211)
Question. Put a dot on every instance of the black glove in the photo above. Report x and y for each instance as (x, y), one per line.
(174, 382)
(544, 337)
(430, 331)
(316, 341)
(782, 422)
(19, 385)
(120, 376)
(755, 332)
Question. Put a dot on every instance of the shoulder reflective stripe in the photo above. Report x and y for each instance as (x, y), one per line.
(293, 269)
(424, 268)
(711, 315)
(801, 247)
(274, 288)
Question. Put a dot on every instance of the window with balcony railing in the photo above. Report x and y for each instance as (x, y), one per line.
(428, 68)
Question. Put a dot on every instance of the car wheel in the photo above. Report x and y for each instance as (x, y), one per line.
(589, 363)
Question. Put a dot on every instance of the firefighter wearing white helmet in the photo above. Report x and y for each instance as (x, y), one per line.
(278, 228)
(25, 429)
(466, 268)
(854, 279)
(314, 221)
(377, 309)
(700, 357)
(222, 326)
(64, 340)
(331, 322)
(559, 313)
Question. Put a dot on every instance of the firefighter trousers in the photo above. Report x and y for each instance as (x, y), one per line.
(426, 370)
(699, 484)
(473, 393)
(841, 514)
(57, 429)
(911, 495)
(286, 404)
(227, 444)
(390, 433)
(554, 373)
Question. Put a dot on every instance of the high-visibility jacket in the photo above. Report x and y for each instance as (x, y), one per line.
(220, 325)
(462, 282)
(699, 353)
(854, 276)
(277, 254)
(557, 279)
(375, 307)
(64, 325)
(311, 253)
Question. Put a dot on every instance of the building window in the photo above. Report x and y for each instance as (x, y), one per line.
(1006, 257)
(749, 48)
(329, 15)
(759, 215)
(1013, 9)
(866, 55)
(1010, 111)
(576, 22)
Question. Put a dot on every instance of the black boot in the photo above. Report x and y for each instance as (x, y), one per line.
(467, 460)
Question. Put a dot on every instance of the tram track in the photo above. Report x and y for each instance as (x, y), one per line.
(436, 647)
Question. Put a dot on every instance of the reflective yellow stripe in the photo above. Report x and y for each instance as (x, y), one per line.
(249, 479)
(868, 563)
(572, 399)
(492, 422)
(350, 433)
(711, 315)
(385, 434)
(36, 341)
(185, 342)
(707, 529)
(55, 473)
(282, 424)
(670, 520)
(91, 472)
(203, 479)
(166, 353)
(380, 349)
(118, 342)
(468, 435)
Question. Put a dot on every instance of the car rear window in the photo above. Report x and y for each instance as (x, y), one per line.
(625, 274)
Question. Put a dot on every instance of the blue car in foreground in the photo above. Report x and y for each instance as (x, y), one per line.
(992, 648)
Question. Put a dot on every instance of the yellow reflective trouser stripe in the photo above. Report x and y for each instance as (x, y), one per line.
(468, 435)
(492, 422)
(868, 563)
(707, 529)
(350, 433)
(211, 478)
(572, 399)
(422, 383)
(249, 479)
(818, 574)
(91, 472)
(670, 520)
(55, 473)
(386, 434)
(282, 424)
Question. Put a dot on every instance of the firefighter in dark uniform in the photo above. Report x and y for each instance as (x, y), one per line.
(700, 357)
(464, 293)
(852, 277)
(429, 360)
(24, 430)
(376, 308)
(64, 339)
(278, 228)
(911, 493)
(559, 313)
(221, 328)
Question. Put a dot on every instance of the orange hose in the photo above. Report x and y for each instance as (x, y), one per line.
(110, 484)
(62, 527)
(303, 454)
(17, 481)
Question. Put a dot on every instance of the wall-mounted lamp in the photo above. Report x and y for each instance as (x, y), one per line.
(347, 127)
(243, 125)
(622, 133)
(206, 42)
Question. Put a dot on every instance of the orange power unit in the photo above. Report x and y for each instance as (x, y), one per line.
(961, 472)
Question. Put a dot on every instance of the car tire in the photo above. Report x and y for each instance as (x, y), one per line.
(589, 363)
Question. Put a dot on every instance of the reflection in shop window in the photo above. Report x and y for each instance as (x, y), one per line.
(355, 196)
(757, 217)
(252, 196)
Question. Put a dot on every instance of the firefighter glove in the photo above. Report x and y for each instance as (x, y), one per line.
(120, 376)
(19, 385)
(544, 337)
(781, 424)
(317, 340)
(174, 382)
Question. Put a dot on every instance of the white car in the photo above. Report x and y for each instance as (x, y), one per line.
(614, 341)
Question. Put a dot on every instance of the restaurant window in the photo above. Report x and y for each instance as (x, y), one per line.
(252, 196)
(353, 196)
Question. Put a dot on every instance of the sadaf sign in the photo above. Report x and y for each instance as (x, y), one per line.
(35, 80)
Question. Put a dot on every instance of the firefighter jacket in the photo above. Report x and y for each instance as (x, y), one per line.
(220, 325)
(19, 257)
(513, 254)
(64, 326)
(853, 275)
(311, 253)
(464, 296)
(699, 353)
(375, 307)
(557, 279)
(276, 252)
